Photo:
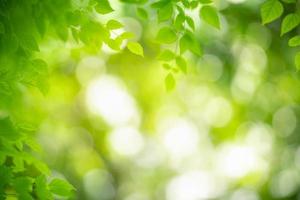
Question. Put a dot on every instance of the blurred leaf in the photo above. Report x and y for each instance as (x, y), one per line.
(166, 35)
(297, 61)
(166, 55)
(289, 23)
(170, 82)
(210, 15)
(7, 130)
(142, 13)
(165, 12)
(103, 7)
(113, 24)
(29, 42)
(23, 186)
(181, 63)
(41, 188)
(271, 10)
(295, 41)
(61, 187)
(135, 48)
(179, 20)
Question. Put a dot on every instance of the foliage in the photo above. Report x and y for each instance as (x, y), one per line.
(273, 9)
(26, 25)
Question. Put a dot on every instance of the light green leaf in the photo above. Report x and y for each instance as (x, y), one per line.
(210, 15)
(188, 42)
(41, 188)
(297, 61)
(166, 35)
(103, 7)
(181, 63)
(113, 24)
(165, 13)
(295, 41)
(271, 10)
(289, 23)
(61, 187)
(170, 82)
(166, 55)
(142, 13)
(135, 48)
(190, 22)
(167, 66)
(179, 20)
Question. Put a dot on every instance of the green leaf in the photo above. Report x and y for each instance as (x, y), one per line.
(181, 63)
(113, 24)
(7, 130)
(61, 187)
(135, 48)
(271, 10)
(142, 13)
(28, 42)
(165, 13)
(295, 41)
(23, 187)
(210, 15)
(41, 188)
(289, 23)
(166, 35)
(188, 42)
(126, 35)
(170, 82)
(179, 20)
(167, 66)
(166, 55)
(190, 22)
(103, 7)
(297, 61)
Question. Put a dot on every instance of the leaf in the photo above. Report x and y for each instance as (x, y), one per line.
(190, 22)
(271, 10)
(179, 20)
(23, 187)
(113, 24)
(28, 42)
(7, 130)
(61, 187)
(165, 13)
(126, 35)
(210, 15)
(167, 66)
(181, 63)
(166, 35)
(294, 41)
(289, 23)
(103, 7)
(41, 188)
(170, 82)
(297, 61)
(135, 48)
(142, 13)
(188, 42)
(166, 55)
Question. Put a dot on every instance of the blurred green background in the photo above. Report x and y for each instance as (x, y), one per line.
(229, 130)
